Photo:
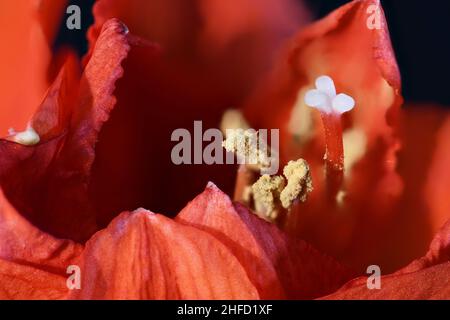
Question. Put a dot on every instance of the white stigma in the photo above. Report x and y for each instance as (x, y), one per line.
(325, 99)
(28, 137)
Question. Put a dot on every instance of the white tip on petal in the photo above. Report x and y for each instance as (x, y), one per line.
(326, 85)
(28, 137)
(343, 103)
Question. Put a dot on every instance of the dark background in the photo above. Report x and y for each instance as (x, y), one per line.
(420, 32)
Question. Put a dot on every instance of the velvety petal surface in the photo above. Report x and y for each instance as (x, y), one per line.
(22, 282)
(33, 264)
(142, 255)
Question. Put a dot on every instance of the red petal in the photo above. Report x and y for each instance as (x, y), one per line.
(51, 14)
(96, 99)
(142, 255)
(425, 278)
(424, 205)
(25, 56)
(32, 264)
(239, 43)
(439, 252)
(277, 265)
(166, 22)
(23, 243)
(50, 178)
(437, 181)
(430, 283)
(201, 29)
(21, 282)
(26, 173)
(53, 115)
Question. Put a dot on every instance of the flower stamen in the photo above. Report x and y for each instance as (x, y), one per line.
(248, 147)
(29, 137)
(331, 106)
(299, 183)
(274, 196)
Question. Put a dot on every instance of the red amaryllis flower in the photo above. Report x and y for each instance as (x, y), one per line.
(99, 144)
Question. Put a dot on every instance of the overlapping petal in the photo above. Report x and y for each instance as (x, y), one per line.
(142, 255)
(213, 250)
(48, 182)
(278, 265)
(22, 243)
